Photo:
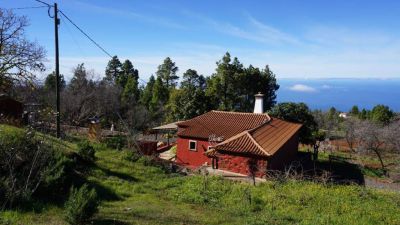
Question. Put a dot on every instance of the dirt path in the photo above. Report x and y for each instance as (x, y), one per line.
(376, 183)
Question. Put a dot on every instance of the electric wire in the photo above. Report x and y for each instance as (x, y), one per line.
(77, 27)
(28, 7)
(84, 33)
(81, 30)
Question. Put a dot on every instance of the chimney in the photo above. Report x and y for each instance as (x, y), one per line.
(259, 103)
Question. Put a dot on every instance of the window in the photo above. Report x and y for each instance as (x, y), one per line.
(193, 145)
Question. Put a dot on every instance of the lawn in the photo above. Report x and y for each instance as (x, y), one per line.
(139, 193)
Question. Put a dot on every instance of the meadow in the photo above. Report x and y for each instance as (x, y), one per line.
(144, 192)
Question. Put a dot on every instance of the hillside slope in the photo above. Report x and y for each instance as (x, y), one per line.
(142, 192)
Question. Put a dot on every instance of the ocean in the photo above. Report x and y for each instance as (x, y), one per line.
(341, 93)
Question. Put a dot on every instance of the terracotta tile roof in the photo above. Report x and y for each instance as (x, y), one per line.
(263, 140)
(221, 124)
(241, 143)
(273, 135)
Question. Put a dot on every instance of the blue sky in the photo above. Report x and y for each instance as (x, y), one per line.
(298, 39)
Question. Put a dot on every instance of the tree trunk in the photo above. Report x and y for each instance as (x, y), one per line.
(381, 161)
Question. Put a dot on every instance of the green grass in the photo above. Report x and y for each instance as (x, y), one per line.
(133, 193)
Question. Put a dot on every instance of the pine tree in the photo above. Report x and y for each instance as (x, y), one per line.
(130, 93)
(160, 95)
(167, 71)
(79, 80)
(50, 82)
(147, 93)
(127, 70)
(113, 70)
(354, 111)
(233, 87)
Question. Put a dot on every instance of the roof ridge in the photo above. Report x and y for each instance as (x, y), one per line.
(232, 138)
(261, 125)
(285, 120)
(246, 132)
(257, 144)
(245, 113)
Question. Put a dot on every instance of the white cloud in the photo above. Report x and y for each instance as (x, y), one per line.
(302, 88)
(154, 19)
(325, 86)
(254, 31)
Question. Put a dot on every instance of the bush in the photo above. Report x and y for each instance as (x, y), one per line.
(117, 142)
(28, 163)
(81, 205)
(132, 156)
(86, 150)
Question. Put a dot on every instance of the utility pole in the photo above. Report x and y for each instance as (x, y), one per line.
(56, 23)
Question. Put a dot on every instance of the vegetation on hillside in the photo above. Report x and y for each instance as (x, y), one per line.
(145, 192)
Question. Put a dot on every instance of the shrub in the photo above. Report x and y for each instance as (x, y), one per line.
(117, 142)
(28, 163)
(132, 156)
(147, 161)
(86, 150)
(81, 205)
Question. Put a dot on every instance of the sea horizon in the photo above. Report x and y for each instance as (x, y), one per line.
(341, 93)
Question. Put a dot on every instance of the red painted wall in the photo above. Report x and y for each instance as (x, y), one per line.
(286, 154)
(237, 163)
(189, 157)
(240, 164)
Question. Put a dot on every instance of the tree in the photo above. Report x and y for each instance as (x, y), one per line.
(350, 127)
(381, 114)
(392, 137)
(127, 72)
(371, 136)
(317, 137)
(50, 82)
(233, 87)
(363, 115)
(223, 85)
(113, 70)
(269, 86)
(160, 96)
(190, 100)
(193, 100)
(147, 93)
(174, 106)
(332, 121)
(80, 78)
(354, 111)
(252, 165)
(167, 72)
(131, 92)
(19, 57)
(298, 113)
(79, 97)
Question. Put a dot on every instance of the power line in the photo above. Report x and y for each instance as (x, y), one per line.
(77, 27)
(84, 33)
(28, 7)
(44, 3)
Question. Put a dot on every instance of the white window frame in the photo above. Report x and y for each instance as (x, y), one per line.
(195, 145)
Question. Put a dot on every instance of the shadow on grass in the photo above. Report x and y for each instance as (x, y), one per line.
(341, 171)
(122, 176)
(108, 222)
(104, 193)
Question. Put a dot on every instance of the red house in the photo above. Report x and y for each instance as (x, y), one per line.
(237, 142)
